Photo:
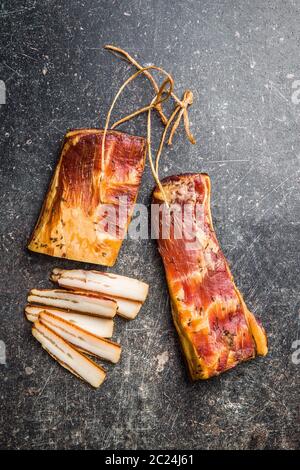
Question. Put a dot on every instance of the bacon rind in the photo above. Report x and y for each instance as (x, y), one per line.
(72, 223)
(216, 329)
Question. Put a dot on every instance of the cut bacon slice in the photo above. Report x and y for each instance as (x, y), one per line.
(88, 208)
(85, 341)
(84, 302)
(67, 356)
(105, 283)
(216, 329)
(95, 325)
(127, 308)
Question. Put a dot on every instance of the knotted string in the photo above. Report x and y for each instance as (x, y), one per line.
(161, 95)
(182, 104)
(152, 80)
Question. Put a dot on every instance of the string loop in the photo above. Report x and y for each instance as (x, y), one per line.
(162, 94)
(158, 99)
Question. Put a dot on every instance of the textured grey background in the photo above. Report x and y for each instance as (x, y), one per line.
(241, 59)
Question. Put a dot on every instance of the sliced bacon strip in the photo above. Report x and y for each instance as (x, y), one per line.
(216, 329)
(127, 308)
(95, 325)
(68, 357)
(108, 284)
(105, 283)
(84, 302)
(88, 208)
(85, 341)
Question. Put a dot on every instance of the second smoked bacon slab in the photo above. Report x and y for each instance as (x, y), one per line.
(216, 329)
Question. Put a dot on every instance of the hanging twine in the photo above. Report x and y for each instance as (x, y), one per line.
(162, 94)
(158, 99)
(181, 104)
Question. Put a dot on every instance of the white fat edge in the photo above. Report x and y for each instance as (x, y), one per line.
(97, 347)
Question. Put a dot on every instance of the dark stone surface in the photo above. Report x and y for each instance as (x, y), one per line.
(241, 58)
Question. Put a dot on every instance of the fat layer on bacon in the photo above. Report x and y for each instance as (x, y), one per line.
(93, 324)
(105, 283)
(83, 302)
(80, 338)
(67, 356)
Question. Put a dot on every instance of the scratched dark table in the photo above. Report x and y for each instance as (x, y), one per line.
(241, 59)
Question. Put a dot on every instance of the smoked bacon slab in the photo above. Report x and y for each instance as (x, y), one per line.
(216, 329)
(87, 209)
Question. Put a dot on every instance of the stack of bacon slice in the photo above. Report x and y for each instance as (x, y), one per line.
(128, 293)
(216, 329)
(79, 320)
